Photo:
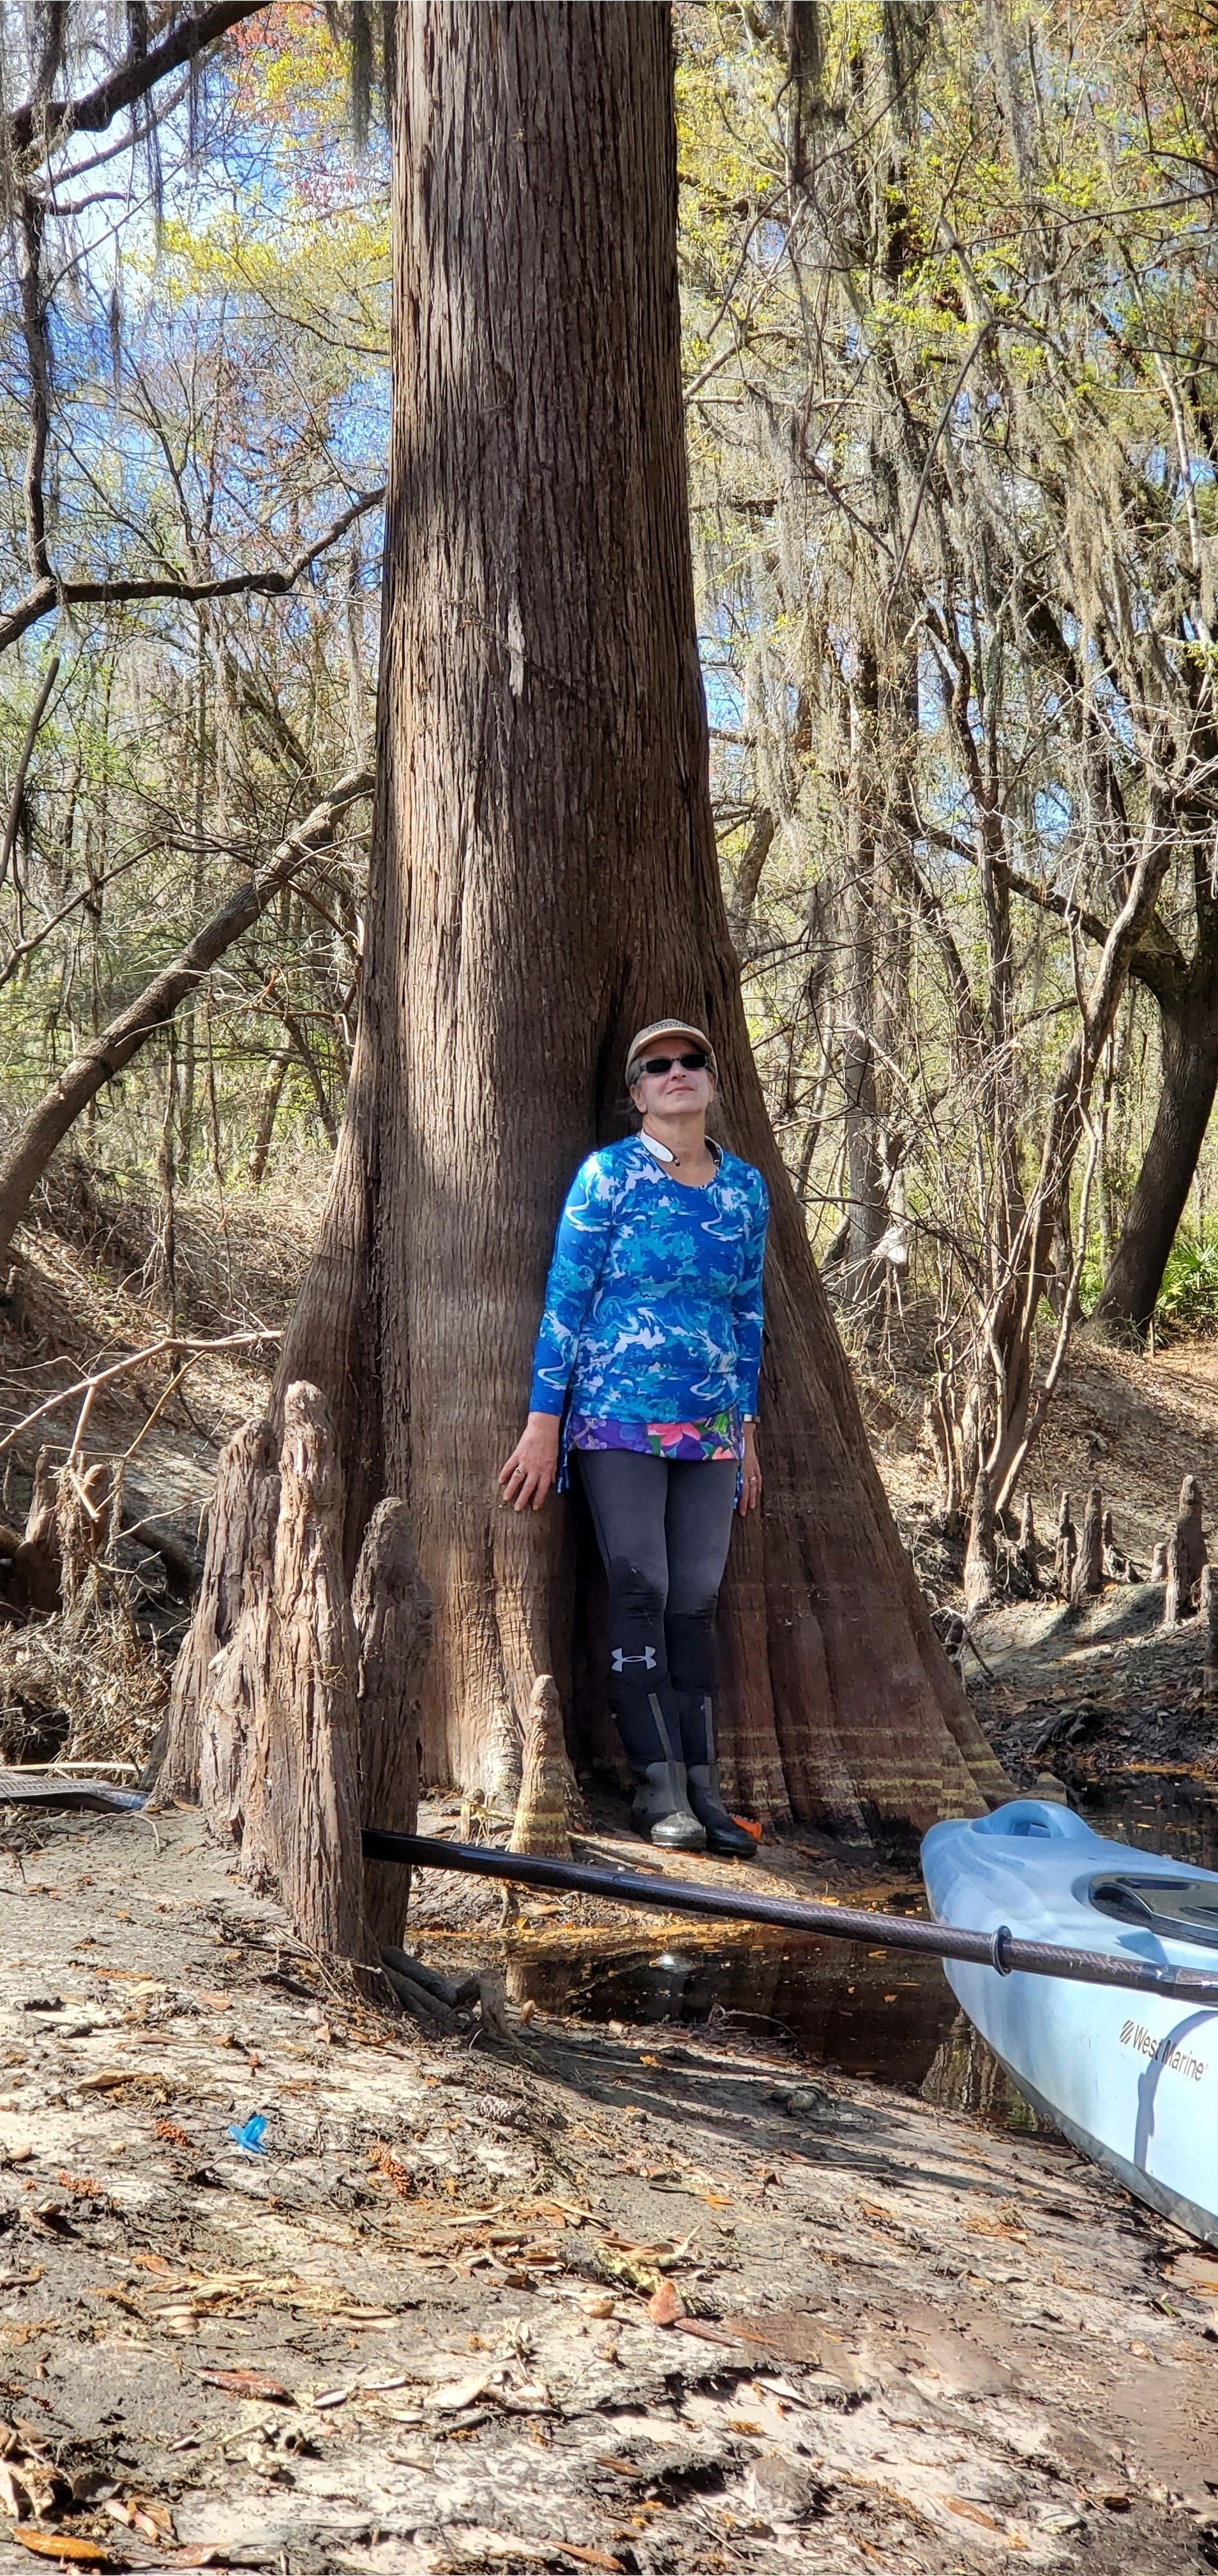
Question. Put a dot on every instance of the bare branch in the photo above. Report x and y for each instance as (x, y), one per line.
(1045, 1395)
(35, 128)
(85, 894)
(88, 1386)
(35, 1142)
(1158, 961)
(53, 593)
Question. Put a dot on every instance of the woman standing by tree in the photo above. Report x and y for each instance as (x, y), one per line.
(646, 1366)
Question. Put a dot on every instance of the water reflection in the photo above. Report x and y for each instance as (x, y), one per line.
(1162, 1811)
(965, 2075)
(860, 2011)
(867, 2012)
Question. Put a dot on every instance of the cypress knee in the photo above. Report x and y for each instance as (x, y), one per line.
(1193, 1550)
(34, 1581)
(548, 1795)
(1172, 1599)
(1065, 1548)
(391, 1606)
(1209, 1616)
(1116, 1566)
(238, 1507)
(279, 1755)
(1089, 1571)
(80, 1517)
(1027, 1539)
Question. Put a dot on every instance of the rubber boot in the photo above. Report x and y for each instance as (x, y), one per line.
(723, 1834)
(650, 1730)
(662, 1809)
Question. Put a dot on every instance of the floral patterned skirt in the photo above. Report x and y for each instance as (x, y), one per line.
(719, 1435)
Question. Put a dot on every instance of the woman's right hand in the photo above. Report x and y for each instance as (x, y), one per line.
(526, 1477)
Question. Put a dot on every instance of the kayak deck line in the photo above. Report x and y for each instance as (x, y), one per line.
(1000, 1950)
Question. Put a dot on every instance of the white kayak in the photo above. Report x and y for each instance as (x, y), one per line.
(1131, 2079)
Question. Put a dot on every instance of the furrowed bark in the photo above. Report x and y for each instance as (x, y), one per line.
(981, 1556)
(232, 1683)
(391, 1606)
(549, 1799)
(748, 877)
(1189, 1080)
(301, 1815)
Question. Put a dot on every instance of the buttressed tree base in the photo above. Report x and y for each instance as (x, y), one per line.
(544, 880)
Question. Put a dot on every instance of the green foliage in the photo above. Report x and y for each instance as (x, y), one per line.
(1188, 1298)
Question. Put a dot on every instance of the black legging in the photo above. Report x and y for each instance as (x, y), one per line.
(662, 1526)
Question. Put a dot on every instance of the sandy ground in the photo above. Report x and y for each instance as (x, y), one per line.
(425, 2328)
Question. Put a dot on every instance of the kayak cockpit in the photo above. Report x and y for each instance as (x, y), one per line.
(1026, 1820)
(1184, 1909)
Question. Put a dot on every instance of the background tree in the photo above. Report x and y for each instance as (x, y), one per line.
(195, 420)
(951, 516)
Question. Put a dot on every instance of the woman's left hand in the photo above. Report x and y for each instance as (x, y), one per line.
(750, 1473)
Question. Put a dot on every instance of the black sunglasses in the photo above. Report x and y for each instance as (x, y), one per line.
(695, 1061)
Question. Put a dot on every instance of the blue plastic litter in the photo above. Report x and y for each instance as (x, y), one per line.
(250, 2137)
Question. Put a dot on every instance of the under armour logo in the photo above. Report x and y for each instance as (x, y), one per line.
(647, 1659)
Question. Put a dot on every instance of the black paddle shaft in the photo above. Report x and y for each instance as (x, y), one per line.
(1000, 1950)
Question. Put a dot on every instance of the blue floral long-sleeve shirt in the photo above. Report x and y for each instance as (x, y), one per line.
(653, 1303)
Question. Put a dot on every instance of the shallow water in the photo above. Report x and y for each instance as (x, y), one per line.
(862, 2012)
(855, 2011)
(1164, 1811)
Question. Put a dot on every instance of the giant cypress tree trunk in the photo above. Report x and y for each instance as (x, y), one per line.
(544, 879)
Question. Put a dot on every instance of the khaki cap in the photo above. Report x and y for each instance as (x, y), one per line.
(669, 1029)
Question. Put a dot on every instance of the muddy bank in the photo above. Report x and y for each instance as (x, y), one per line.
(1108, 1703)
(615, 2296)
